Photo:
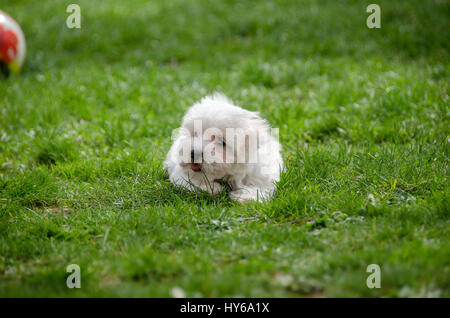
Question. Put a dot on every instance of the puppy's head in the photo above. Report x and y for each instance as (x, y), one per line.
(217, 137)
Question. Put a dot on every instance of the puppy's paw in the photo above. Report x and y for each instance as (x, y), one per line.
(244, 195)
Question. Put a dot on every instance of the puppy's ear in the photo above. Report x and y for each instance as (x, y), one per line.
(246, 145)
(251, 145)
(180, 132)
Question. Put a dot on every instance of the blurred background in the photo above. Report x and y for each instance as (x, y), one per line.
(147, 57)
(363, 119)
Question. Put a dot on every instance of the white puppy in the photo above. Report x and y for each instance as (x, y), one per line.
(219, 143)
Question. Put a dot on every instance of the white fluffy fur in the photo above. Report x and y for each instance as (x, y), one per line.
(248, 181)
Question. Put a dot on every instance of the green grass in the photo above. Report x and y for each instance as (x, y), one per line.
(364, 122)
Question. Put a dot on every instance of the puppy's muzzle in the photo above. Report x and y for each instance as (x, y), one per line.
(196, 160)
(196, 156)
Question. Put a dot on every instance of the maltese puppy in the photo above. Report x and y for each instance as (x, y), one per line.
(220, 144)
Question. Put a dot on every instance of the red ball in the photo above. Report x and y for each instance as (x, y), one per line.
(12, 45)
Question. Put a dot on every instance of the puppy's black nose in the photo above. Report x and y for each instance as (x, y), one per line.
(196, 156)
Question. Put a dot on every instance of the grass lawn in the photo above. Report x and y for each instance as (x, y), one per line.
(364, 123)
